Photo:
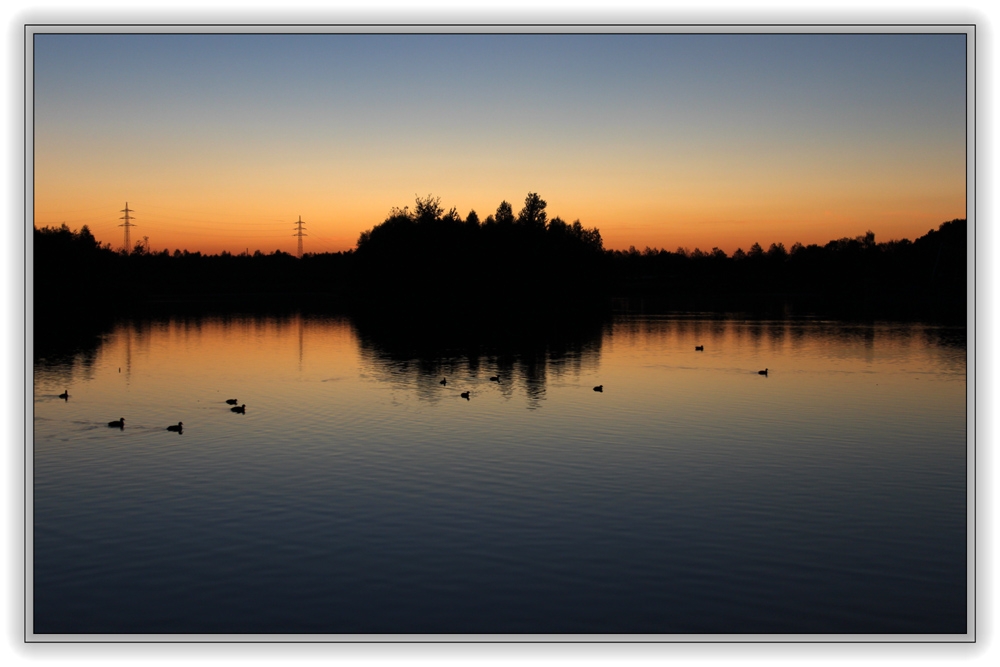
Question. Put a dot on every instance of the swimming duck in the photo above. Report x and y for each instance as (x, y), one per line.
(699, 348)
(495, 378)
(240, 408)
(178, 428)
(763, 372)
(444, 380)
(599, 387)
(65, 394)
(232, 401)
(465, 395)
(118, 424)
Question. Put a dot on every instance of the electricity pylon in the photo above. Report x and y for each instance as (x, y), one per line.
(300, 234)
(128, 224)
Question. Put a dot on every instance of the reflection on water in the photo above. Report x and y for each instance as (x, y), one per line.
(360, 494)
(523, 354)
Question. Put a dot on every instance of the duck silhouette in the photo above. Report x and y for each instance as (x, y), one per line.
(465, 395)
(599, 387)
(65, 394)
(444, 380)
(495, 378)
(118, 424)
(232, 401)
(179, 427)
(763, 372)
(699, 348)
(240, 408)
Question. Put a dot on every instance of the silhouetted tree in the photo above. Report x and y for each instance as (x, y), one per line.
(590, 237)
(427, 209)
(505, 214)
(533, 214)
(777, 251)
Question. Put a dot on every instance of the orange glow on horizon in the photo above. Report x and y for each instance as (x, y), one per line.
(214, 230)
(713, 201)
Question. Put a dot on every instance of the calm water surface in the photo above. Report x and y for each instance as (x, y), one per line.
(360, 495)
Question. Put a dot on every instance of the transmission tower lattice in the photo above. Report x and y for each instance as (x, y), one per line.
(299, 233)
(128, 224)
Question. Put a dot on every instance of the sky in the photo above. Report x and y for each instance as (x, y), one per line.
(222, 141)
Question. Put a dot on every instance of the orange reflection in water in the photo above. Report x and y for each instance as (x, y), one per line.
(645, 364)
(207, 360)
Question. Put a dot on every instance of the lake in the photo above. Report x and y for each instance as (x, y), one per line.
(359, 494)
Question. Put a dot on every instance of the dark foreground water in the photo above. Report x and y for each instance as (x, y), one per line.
(358, 494)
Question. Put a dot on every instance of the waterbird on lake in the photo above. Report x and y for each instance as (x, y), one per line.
(65, 394)
(495, 378)
(763, 372)
(444, 380)
(465, 395)
(232, 401)
(599, 387)
(178, 428)
(118, 424)
(699, 348)
(240, 408)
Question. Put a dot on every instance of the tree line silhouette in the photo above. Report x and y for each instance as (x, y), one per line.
(924, 276)
(428, 255)
(436, 254)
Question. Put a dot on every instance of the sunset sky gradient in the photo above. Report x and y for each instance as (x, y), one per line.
(221, 141)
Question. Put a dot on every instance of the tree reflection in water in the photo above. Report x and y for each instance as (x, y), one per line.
(526, 350)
